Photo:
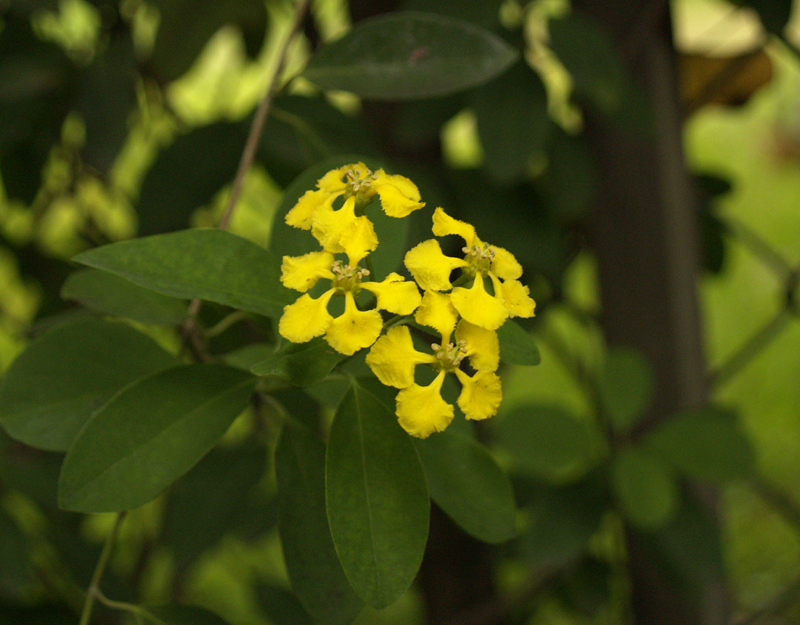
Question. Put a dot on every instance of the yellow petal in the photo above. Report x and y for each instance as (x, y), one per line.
(478, 307)
(483, 347)
(421, 410)
(443, 224)
(437, 312)
(399, 196)
(333, 181)
(306, 318)
(341, 231)
(394, 294)
(302, 272)
(393, 358)
(301, 213)
(430, 267)
(504, 265)
(516, 298)
(354, 329)
(480, 395)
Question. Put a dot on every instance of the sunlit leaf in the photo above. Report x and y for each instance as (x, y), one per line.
(407, 55)
(110, 294)
(150, 434)
(545, 441)
(53, 387)
(206, 264)
(706, 444)
(516, 345)
(301, 364)
(646, 489)
(377, 500)
(311, 561)
(466, 482)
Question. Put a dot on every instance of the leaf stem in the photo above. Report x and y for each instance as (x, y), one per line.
(260, 118)
(134, 609)
(93, 591)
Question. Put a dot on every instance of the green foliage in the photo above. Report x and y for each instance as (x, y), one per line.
(645, 488)
(517, 347)
(625, 386)
(376, 497)
(409, 55)
(54, 387)
(206, 264)
(167, 421)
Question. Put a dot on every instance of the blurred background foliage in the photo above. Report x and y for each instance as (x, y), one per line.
(128, 118)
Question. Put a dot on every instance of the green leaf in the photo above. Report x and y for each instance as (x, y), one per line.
(377, 500)
(705, 444)
(15, 556)
(150, 434)
(311, 561)
(112, 295)
(249, 355)
(465, 481)
(408, 55)
(281, 607)
(517, 346)
(208, 500)
(645, 488)
(392, 232)
(545, 441)
(625, 386)
(207, 264)
(301, 364)
(513, 122)
(774, 14)
(185, 615)
(187, 174)
(561, 519)
(53, 387)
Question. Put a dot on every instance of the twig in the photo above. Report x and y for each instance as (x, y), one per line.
(93, 590)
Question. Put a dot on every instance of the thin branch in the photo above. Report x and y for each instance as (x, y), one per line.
(746, 352)
(102, 562)
(758, 246)
(257, 126)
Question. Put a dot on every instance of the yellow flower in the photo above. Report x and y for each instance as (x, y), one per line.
(347, 229)
(354, 329)
(421, 409)
(431, 268)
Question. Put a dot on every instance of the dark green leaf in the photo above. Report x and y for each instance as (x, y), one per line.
(53, 387)
(15, 562)
(106, 96)
(513, 123)
(392, 232)
(545, 441)
(517, 346)
(570, 182)
(562, 520)
(705, 444)
(625, 386)
(485, 13)
(465, 481)
(206, 264)
(179, 40)
(314, 569)
(208, 500)
(187, 175)
(185, 615)
(301, 364)
(249, 355)
(377, 500)
(774, 14)
(112, 295)
(407, 55)
(150, 434)
(645, 488)
(38, 615)
(281, 606)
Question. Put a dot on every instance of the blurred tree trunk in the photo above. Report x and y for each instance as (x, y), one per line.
(644, 234)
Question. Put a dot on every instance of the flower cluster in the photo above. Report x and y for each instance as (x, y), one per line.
(465, 313)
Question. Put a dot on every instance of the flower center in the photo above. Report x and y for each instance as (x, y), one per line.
(479, 257)
(449, 357)
(358, 183)
(347, 278)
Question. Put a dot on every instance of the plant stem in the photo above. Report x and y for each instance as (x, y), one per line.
(257, 126)
(93, 590)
